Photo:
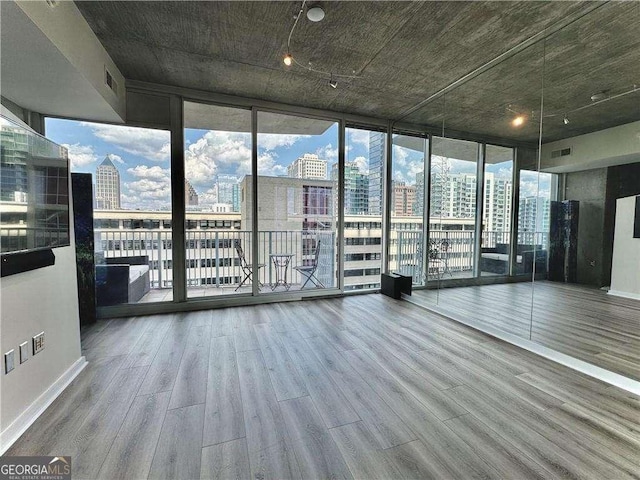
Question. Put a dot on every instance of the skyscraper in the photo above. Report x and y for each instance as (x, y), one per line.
(190, 194)
(356, 189)
(376, 171)
(308, 166)
(107, 185)
(403, 200)
(227, 190)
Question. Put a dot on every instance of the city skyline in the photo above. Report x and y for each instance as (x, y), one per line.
(142, 157)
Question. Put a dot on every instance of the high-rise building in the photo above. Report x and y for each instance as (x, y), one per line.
(403, 200)
(454, 196)
(418, 208)
(308, 166)
(227, 190)
(533, 214)
(356, 189)
(497, 203)
(190, 194)
(107, 185)
(376, 171)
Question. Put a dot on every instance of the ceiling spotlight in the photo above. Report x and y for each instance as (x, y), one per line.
(288, 59)
(518, 121)
(333, 83)
(565, 120)
(315, 13)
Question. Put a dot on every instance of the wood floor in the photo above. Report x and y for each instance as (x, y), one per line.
(360, 387)
(582, 322)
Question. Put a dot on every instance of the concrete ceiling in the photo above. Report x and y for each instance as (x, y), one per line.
(402, 52)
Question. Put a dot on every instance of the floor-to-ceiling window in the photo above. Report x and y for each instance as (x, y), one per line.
(407, 255)
(131, 177)
(452, 233)
(217, 156)
(497, 211)
(365, 152)
(297, 201)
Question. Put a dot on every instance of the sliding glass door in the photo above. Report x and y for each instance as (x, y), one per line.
(217, 158)
(453, 209)
(407, 254)
(297, 201)
(363, 207)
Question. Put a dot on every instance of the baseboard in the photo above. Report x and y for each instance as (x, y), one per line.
(618, 293)
(31, 414)
(607, 376)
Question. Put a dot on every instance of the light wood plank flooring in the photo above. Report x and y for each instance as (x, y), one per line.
(359, 387)
(580, 321)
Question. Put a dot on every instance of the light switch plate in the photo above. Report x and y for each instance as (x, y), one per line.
(9, 361)
(24, 352)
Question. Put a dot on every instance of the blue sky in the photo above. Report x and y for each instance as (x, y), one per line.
(142, 156)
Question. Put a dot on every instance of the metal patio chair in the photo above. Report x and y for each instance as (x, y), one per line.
(247, 268)
(309, 271)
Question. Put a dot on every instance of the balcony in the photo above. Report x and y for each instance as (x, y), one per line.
(213, 263)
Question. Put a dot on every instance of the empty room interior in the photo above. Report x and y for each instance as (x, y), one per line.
(336, 239)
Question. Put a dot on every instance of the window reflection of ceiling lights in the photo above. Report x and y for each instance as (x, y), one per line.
(315, 13)
(597, 98)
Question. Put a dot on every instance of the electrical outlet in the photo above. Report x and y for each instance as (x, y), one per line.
(24, 352)
(38, 343)
(9, 361)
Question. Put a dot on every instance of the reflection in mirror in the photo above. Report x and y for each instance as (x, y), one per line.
(485, 230)
(407, 255)
(590, 142)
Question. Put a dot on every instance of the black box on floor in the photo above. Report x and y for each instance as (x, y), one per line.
(394, 285)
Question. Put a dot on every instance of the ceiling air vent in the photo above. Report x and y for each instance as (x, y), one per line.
(110, 82)
(561, 153)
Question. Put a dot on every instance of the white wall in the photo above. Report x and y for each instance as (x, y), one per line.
(46, 300)
(625, 269)
(605, 148)
(53, 63)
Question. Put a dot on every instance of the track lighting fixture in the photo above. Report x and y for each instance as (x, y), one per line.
(518, 121)
(315, 13)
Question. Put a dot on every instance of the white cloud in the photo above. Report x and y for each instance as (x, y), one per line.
(115, 158)
(144, 142)
(267, 165)
(153, 173)
(80, 155)
(328, 153)
(400, 156)
(355, 135)
(362, 164)
(271, 141)
(225, 151)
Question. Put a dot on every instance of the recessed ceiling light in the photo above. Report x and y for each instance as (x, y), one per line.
(315, 13)
(518, 121)
(288, 59)
(596, 97)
